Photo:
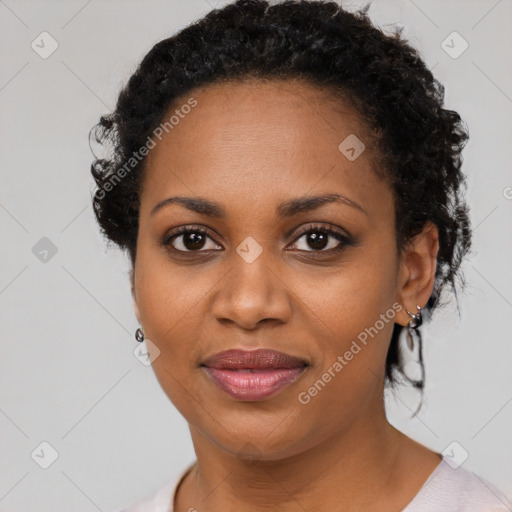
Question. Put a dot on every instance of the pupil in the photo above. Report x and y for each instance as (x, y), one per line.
(193, 241)
(317, 240)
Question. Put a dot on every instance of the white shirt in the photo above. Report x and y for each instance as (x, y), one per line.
(445, 490)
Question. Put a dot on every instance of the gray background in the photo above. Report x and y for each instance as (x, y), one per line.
(68, 373)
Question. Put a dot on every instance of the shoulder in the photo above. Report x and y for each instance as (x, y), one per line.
(458, 490)
(157, 502)
(162, 500)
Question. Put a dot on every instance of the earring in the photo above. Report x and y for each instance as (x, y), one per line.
(412, 363)
(139, 335)
(416, 319)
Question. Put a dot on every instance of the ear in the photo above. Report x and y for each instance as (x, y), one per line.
(417, 272)
(134, 295)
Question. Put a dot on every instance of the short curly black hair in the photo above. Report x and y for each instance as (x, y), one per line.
(382, 77)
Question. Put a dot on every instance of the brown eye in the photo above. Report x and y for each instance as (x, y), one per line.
(317, 240)
(321, 239)
(190, 240)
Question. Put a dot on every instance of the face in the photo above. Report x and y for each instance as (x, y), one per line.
(308, 279)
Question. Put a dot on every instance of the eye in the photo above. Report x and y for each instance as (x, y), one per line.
(322, 239)
(190, 239)
(316, 239)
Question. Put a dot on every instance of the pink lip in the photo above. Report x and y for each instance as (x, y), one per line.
(253, 384)
(255, 374)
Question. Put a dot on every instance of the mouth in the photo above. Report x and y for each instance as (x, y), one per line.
(253, 375)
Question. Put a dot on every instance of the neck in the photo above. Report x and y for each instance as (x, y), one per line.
(361, 468)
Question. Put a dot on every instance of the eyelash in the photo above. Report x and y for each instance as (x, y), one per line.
(312, 228)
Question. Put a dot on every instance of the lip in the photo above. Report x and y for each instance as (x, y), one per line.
(255, 374)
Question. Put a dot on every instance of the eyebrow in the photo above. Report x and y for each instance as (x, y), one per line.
(285, 209)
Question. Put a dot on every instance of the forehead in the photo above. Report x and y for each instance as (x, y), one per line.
(258, 139)
(247, 115)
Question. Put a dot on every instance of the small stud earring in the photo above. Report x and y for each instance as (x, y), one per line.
(139, 335)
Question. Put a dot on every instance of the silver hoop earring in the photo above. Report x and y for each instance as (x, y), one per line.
(416, 319)
(139, 335)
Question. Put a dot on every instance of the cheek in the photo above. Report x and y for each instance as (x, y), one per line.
(168, 294)
(352, 341)
(354, 319)
(351, 298)
(169, 302)
(172, 310)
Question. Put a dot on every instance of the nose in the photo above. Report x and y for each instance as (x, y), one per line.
(252, 293)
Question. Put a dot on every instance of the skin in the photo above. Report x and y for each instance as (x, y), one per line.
(250, 146)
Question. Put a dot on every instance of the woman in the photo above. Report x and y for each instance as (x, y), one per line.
(289, 190)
